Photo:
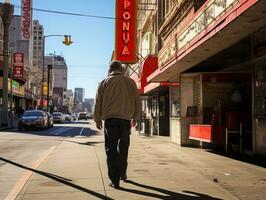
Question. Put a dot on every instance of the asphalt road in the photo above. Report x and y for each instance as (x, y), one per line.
(25, 148)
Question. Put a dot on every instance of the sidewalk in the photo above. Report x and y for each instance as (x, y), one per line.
(158, 169)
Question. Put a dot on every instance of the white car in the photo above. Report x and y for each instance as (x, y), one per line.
(58, 117)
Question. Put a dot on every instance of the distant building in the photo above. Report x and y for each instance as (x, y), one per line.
(69, 100)
(79, 95)
(89, 103)
(59, 70)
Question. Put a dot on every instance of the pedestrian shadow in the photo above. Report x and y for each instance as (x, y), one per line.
(84, 143)
(167, 194)
(57, 178)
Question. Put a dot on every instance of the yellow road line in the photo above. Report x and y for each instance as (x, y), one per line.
(25, 177)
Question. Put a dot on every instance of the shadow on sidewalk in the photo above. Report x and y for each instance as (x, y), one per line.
(59, 131)
(257, 160)
(58, 179)
(167, 194)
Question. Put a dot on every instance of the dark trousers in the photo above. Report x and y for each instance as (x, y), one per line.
(116, 132)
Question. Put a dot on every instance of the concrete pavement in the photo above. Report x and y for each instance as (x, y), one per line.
(158, 169)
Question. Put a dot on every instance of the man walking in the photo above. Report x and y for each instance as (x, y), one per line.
(118, 103)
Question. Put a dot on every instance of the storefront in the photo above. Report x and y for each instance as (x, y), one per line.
(216, 103)
(155, 100)
(215, 58)
(16, 92)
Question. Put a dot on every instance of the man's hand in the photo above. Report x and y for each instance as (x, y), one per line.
(133, 123)
(99, 125)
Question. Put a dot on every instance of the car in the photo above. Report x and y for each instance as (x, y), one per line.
(89, 115)
(50, 120)
(58, 117)
(74, 116)
(68, 118)
(82, 115)
(33, 119)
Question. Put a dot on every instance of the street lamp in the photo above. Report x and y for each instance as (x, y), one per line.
(67, 41)
(6, 11)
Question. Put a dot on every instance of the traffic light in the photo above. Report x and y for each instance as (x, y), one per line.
(67, 40)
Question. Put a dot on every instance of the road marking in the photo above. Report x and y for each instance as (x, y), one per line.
(63, 130)
(80, 133)
(25, 177)
(57, 130)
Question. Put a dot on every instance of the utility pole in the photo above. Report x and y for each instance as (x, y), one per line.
(48, 89)
(67, 41)
(7, 11)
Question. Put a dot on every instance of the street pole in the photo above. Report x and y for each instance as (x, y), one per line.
(43, 55)
(11, 93)
(67, 42)
(48, 89)
(6, 15)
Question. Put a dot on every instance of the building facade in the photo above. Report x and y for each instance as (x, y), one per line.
(19, 45)
(214, 50)
(155, 96)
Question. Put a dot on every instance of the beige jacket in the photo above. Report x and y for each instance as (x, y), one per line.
(117, 97)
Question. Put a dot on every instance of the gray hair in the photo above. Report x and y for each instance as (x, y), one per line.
(115, 65)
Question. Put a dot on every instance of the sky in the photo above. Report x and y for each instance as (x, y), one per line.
(88, 57)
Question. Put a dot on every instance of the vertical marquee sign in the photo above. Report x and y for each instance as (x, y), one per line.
(125, 31)
(18, 65)
(26, 19)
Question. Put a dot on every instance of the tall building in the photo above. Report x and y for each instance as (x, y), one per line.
(59, 71)
(36, 57)
(37, 44)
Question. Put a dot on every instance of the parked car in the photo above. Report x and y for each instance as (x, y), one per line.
(68, 118)
(82, 115)
(50, 120)
(33, 119)
(58, 117)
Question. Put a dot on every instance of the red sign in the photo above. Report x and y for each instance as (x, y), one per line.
(125, 31)
(200, 132)
(18, 65)
(26, 19)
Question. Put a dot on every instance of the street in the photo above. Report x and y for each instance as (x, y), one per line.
(27, 147)
(68, 162)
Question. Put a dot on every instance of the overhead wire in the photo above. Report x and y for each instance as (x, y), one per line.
(69, 13)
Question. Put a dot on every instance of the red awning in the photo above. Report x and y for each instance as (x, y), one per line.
(149, 65)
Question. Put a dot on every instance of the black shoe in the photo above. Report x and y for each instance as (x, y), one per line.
(116, 186)
(123, 178)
